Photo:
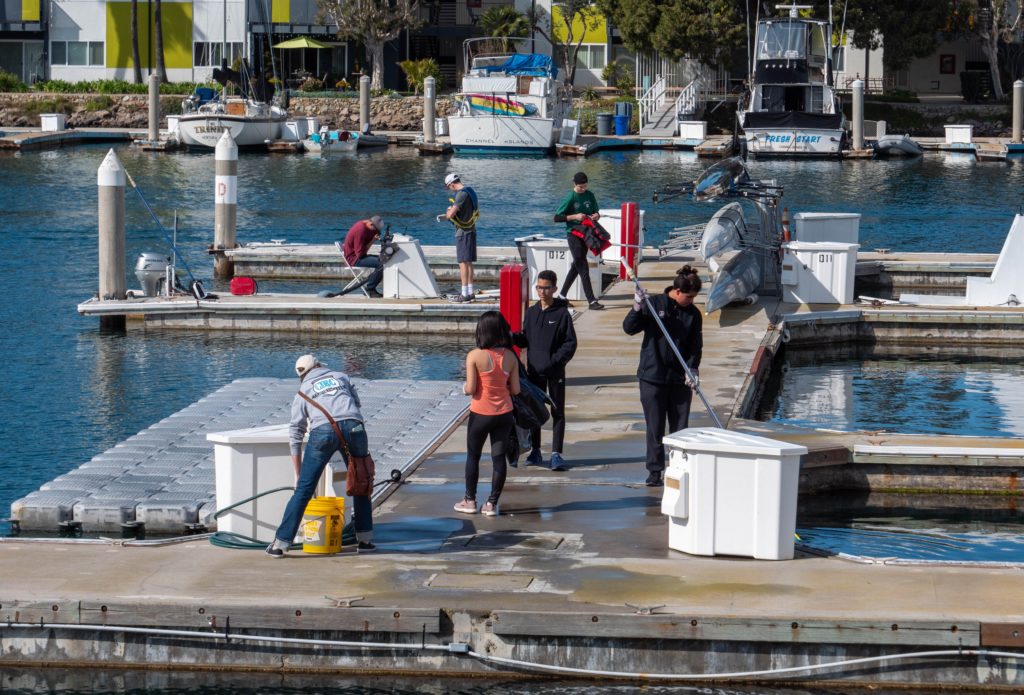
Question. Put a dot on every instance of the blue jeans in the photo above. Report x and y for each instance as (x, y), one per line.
(322, 444)
(374, 279)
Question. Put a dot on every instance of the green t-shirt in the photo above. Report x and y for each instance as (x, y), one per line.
(574, 202)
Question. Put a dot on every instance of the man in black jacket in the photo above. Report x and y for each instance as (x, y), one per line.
(550, 340)
(665, 388)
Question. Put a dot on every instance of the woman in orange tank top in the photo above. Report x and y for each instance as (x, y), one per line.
(492, 378)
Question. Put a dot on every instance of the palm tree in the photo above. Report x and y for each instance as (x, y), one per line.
(503, 22)
(158, 40)
(136, 61)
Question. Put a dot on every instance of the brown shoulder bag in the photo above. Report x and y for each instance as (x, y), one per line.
(361, 469)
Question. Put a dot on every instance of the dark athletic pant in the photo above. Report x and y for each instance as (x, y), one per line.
(660, 401)
(480, 426)
(555, 387)
(578, 251)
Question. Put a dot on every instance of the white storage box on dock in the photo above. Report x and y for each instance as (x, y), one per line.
(959, 134)
(818, 272)
(839, 227)
(295, 130)
(251, 461)
(553, 254)
(172, 125)
(730, 493)
(611, 220)
(51, 122)
(440, 126)
(693, 130)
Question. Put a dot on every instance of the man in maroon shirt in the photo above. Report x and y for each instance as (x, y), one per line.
(357, 245)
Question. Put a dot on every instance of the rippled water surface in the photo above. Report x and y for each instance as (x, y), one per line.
(71, 391)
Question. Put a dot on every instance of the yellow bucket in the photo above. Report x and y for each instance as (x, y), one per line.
(321, 525)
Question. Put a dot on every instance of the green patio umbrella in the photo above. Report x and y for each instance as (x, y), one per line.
(301, 42)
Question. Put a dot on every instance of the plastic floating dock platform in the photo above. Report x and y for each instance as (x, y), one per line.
(164, 475)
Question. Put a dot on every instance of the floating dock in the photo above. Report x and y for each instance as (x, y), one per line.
(38, 140)
(574, 573)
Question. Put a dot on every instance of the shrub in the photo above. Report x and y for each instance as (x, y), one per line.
(588, 94)
(9, 82)
(312, 84)
(100, 103)
(57, 104)
(416, 71)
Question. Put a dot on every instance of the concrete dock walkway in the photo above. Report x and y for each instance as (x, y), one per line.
(574, 573)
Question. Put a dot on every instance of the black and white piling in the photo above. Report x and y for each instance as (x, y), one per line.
(154, 108)
(1018, 111)
(429, 95)
(225, 217)
(858, 114)
(364, 104)
(110, 180)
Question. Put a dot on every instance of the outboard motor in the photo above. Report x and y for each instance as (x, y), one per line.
(151, 270)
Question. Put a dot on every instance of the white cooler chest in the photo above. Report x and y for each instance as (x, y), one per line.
(553, 254)
(730, 493)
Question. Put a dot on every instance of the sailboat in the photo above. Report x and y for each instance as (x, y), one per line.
(792, 109)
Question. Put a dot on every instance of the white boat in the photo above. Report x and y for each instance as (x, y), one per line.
(510, 102)
(792, 109)
(331, 141)
(725, 230)
(251, 123)
(737, 279)
(897, 146)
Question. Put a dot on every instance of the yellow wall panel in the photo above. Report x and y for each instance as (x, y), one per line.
(599, 34)
(177, 24)
(281, 11)
(30, 10)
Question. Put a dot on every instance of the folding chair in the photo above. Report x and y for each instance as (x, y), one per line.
(357, 273)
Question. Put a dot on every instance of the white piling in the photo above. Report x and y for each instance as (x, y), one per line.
(225, 216)
(1018, 111)
(154, 108)
(364, 104)
(858, 114)
(110, 180)
(429, 95)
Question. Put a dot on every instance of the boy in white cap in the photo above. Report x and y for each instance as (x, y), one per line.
(333, 391)
(463, 213)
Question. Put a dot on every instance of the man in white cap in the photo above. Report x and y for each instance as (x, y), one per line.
(463, 213)
(320, 387)
(357, 248)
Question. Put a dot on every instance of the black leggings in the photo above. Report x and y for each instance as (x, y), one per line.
(555, 386)
(498, 427)
(580, 267)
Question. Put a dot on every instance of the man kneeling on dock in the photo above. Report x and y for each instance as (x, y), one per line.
(357, 248)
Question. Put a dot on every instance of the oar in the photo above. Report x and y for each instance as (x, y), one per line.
(686, 368)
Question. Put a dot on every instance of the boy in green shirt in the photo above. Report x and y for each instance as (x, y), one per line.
(578, 204)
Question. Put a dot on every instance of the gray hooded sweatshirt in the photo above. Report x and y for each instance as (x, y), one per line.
(334, 391)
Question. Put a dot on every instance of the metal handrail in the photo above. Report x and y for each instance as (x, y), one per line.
(691, 98)
(652, 100)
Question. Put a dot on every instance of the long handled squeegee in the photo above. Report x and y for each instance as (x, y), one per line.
(686, 368)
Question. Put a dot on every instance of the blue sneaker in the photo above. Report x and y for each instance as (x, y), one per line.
(535, 458)
(557, 462)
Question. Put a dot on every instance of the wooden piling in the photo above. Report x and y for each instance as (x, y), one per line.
(429, 95)
(110, 180)
(225, 216)
(364, 104)
(154, 108)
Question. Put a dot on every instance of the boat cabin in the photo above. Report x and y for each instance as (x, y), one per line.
(792, 67)
(509, 84)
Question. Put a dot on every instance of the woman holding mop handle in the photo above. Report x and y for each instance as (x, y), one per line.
(669, 360)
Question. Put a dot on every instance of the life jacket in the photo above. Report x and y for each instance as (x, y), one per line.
(595, 237)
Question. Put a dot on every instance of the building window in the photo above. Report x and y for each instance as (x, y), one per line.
(947, 64)
(590, 56)
(76, 53)
(839, 59)
(207, 54)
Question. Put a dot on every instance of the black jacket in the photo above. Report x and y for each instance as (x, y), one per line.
(549, 336)
(658, 364)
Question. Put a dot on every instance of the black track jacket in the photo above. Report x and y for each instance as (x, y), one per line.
(657, 362)
(549, 336)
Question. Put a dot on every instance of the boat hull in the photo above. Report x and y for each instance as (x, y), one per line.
(205, 130)
(793, 142)
(723, 231)
(502, 134)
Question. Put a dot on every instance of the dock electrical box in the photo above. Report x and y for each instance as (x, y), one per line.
(818, 272)
(553, 254)
(839, 227)
(730, 493)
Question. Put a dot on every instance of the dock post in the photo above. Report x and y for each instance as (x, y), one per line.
(1018, 111)
(225, 216)
(110, 179)
(364, 104)
(154, 108)
(858, 114)
(429, 94)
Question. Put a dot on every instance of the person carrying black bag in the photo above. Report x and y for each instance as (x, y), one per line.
(550, 340)
(578, 205)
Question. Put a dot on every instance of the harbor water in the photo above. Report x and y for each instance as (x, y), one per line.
(72, 391)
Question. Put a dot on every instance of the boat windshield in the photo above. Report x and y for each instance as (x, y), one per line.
(781, 39)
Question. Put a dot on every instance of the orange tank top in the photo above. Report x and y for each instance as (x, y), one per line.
(492, 396)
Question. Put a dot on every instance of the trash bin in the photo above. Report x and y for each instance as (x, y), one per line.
(621, 124)
(729, 493)
(604, 124)
(624, 108)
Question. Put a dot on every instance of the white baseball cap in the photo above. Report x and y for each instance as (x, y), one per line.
(304, 364)
(451, 178)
